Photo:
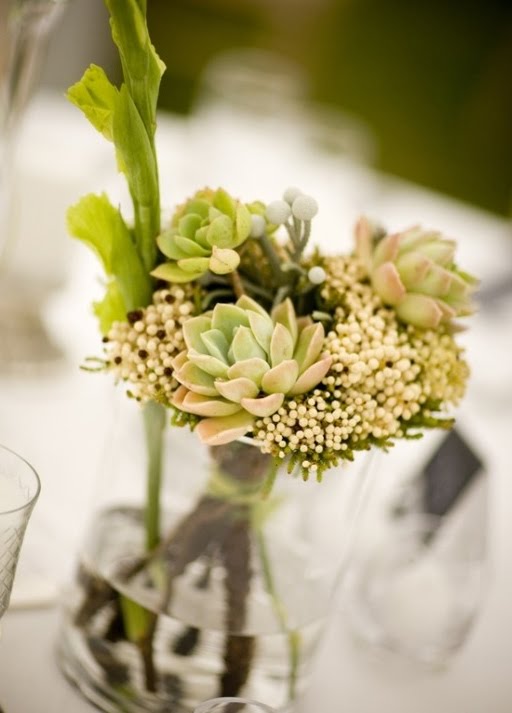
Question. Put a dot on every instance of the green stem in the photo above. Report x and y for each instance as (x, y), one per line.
(269, 481)
(272, 257)
(154, 423)
(281, 614)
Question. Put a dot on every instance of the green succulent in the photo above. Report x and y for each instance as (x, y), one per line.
(414, 272)
(241, 362)
(203, 236)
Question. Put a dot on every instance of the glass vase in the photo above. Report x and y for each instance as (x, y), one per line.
(229, 600)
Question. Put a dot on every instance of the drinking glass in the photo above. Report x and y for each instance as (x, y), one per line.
(24, 30)
(19, 490)
(233, 705)
(416, 595)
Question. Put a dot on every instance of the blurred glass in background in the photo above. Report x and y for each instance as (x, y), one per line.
(431, 80)
(419, 580)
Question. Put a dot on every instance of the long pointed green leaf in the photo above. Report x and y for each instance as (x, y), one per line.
(134, 148)
(142, 67)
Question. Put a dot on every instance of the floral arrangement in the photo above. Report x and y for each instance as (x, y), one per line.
(225, 320)
(314, 356)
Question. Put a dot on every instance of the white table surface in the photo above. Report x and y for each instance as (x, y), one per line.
(60, 421)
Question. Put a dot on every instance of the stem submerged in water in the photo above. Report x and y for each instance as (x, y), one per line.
(154, 423)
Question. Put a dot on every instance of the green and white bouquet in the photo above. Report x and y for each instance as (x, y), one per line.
(226, 320)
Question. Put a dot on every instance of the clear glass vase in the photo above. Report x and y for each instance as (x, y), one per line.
(232, 599)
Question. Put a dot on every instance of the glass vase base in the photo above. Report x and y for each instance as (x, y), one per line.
(193, 658)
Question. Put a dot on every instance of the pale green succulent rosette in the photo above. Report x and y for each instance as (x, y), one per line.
(203, 237)
(241, 363)
(414, 272)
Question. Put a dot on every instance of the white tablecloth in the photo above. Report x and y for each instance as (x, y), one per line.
(60, 421)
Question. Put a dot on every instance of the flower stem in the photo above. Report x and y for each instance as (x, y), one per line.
(272, 257)
(269, 481)
(281, 614)
(154, 423)
(236, 283)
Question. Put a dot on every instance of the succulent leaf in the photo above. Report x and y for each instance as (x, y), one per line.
(209, 363)
(227, 318)
(284, 313)
(237, 389)
(264, 406)
(223, 260)
(253, 369)
(311, 377)
(245, 346)
(420, 311)
(216, 343)
(208, 228)
(171, 272)
(189, 247)
(224, 429)
(309, 345)
(281, 345)
(414, 272)
(193, 330)
(191, 375)
(281, 378)
(262, 327)
(242, 357)
(206, 406)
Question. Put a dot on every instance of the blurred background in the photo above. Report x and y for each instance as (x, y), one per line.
(419, 90)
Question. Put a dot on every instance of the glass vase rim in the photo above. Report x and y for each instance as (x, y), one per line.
(30, 501)
(206, 706)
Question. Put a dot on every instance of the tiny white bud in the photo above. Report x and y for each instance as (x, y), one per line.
(257, 226)
(304, 208)
(278, 212)
(291, 193)
(317, 275)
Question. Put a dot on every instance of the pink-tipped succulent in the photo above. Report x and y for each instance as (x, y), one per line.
(241, 362)
(414, 272)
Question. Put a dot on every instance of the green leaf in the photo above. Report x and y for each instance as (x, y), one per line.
(243, 224)
(190, 247)
(137, 155)
(167, 245)
(194, 264)
(111, 309)
(96, 222)
(142, 67)
(223, 202)
(220, 232)
(96, 97)
(188, 225)
(198, 206)
(170, 272)
(223, 261)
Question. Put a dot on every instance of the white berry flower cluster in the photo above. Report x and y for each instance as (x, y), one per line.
(386, 380)
(141, 350)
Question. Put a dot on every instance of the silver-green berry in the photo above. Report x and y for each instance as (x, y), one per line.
(304, 208)
(291, 193)
(278, 212)
(317, 275)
